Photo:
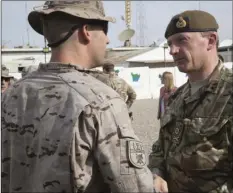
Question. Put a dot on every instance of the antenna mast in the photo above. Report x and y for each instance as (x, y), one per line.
(128, 33)
(26, 8)
(128, 13)
(140, 15)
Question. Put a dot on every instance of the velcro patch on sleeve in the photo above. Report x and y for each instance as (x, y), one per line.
(136, 153)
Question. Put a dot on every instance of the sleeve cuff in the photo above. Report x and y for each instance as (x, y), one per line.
(156, 172)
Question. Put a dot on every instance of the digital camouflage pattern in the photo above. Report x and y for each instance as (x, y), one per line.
(118, 84)
(64, 131)
(194, 150)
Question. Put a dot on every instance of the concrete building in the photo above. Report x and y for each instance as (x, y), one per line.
(225, 50)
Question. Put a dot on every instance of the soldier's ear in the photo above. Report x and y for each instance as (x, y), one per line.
(212, 41)
(84, 35)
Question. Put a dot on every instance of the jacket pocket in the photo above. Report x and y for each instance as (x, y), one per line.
(208, 149)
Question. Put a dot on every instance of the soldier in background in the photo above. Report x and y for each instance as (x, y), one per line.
(195, 145)
(6, 79)
(62, 129)
(109, 77)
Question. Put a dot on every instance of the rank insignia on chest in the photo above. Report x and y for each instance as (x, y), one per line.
(177, 135)
(136, 153)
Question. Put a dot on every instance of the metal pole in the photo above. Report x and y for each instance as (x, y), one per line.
(28, 37)
(45, 50)
(164, 48)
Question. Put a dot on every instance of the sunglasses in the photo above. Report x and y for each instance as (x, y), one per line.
(93, 25)
(103, 25)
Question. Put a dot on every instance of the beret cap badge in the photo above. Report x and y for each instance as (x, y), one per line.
(181, 23)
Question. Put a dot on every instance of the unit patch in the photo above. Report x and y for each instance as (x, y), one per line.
(136, 153)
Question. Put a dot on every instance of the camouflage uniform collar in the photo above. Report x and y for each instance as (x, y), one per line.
(59, 67)
(215, 74)
(212, 86)
(214, 79)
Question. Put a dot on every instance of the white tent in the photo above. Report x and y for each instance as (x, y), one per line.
(153, 56)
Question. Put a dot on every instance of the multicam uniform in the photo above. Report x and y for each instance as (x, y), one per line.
(194, 150)
(64, 131)
(118, 84)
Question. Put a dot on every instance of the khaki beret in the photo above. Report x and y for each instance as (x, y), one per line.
(191, 21)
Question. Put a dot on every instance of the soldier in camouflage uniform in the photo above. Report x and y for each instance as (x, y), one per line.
(62, 130)
(7, 80)
(194, 149)
(109, 77)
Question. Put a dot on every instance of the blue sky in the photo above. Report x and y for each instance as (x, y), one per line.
(156, 17)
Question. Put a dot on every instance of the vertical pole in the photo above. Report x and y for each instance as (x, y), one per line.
(164, 48)
(45, 50)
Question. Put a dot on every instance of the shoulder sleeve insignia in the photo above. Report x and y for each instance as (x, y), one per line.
(136, 154)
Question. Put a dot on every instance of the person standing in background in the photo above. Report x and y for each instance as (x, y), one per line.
(165, 92)
(109, 77)
(6, 79)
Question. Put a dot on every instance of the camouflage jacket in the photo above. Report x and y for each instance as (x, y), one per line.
(118, 84)
(194, 149)
(64, 131)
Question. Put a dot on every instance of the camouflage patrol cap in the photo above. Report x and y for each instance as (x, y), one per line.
(108, 66)
(191, 21)
(5, 72)
(83, 9)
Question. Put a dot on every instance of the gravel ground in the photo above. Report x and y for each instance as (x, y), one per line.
(145, 122)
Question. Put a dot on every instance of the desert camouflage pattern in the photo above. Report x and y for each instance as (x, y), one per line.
(82, 9)
(194, 149)
(65, 131)
(118, 84)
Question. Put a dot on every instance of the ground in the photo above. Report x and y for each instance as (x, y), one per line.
(145, 122)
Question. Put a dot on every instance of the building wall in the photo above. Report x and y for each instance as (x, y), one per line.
(11, 56)
(150, 65)
(147, 86)
(227, 55)
(149, 83)
(15, 60)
